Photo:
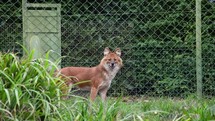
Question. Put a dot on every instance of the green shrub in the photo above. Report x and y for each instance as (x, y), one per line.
(172, 87)
(28, 91)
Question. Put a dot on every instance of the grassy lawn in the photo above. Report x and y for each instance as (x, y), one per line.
(166, 109)
(145, 109)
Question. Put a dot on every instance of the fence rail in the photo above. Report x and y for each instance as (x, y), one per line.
(157, 38)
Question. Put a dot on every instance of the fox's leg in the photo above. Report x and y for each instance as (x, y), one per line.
(67, 88)
(65, 91)
(93, 93)
(103, 94)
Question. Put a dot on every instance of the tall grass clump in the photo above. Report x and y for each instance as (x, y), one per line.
(28, 89)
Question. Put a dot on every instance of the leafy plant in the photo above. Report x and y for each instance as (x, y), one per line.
(28, 90)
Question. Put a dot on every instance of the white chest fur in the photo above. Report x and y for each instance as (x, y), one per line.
(108, 78)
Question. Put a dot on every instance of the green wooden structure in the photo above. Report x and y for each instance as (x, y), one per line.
(42, 29)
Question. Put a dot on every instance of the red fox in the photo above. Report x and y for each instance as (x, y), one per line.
(94, 79)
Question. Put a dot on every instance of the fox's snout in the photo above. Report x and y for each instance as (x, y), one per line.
(112, 64)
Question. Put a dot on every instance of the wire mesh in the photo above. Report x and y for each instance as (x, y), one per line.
(157, 39)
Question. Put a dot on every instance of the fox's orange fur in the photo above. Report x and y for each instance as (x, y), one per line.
(97, 79)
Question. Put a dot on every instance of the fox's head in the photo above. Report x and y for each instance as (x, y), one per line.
(112, 60)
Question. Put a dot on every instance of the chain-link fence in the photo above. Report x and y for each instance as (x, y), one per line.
(157, 39)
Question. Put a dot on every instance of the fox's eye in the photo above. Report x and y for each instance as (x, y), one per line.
(109, 59)
(114, 59)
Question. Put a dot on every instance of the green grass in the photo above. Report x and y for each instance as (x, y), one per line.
(150, 109)
(30, 91)
(167, 109)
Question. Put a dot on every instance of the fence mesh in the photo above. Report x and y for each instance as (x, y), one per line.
(157, 39)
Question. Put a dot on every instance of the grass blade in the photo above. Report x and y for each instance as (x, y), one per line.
(8, 96)
(17, 97)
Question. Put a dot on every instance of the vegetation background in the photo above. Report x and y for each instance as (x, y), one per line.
(157, 39)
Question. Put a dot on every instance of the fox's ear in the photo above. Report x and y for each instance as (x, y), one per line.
(106, 51)
(118, 51)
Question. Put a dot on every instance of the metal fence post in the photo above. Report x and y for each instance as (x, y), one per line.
(198, 49)
(23, 25)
